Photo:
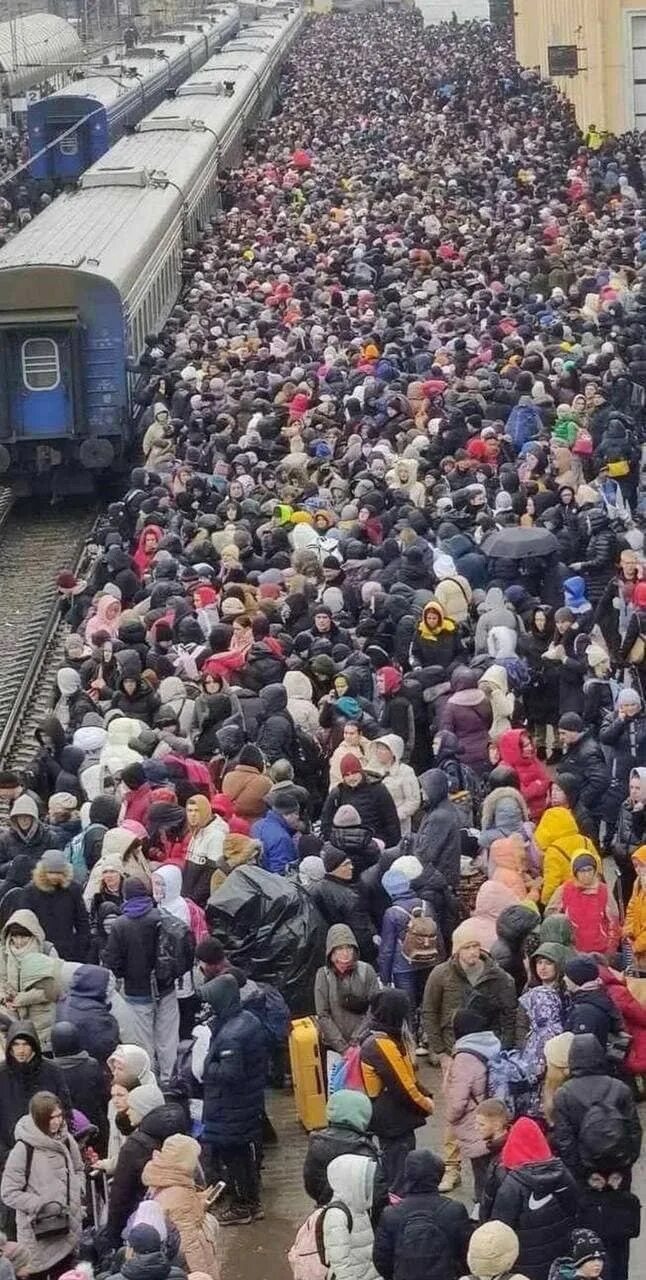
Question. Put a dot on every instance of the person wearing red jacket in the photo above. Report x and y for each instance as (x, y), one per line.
(517, 750)
(591, 910)
(634, 1016)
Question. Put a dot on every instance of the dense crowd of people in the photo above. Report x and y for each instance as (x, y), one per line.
(368, 629)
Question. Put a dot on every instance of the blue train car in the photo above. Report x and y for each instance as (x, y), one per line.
(90, 114)
(90, 277)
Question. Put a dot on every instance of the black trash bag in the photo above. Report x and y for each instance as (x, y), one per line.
(270, 927)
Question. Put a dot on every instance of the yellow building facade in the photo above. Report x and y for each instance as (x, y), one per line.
(607, 38)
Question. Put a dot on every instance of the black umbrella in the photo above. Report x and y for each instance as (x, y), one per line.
(519, 544)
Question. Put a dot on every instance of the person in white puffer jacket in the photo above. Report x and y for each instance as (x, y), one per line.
(348, 1251)
(399, 779)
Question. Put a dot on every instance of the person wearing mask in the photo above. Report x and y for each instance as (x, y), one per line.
(591, 1009)
(234, 1078)
(131, 955)
(349, 1116)
(43, 1169)
(470, 976)
(537, 1198)
(400, 1105)
(425, 1236)
(57, 902)
(24, 1073)
(372, 801)
(343, 989)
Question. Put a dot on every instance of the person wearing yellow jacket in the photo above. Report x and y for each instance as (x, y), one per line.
(558, 838)
(400, 1105)
(635, 923)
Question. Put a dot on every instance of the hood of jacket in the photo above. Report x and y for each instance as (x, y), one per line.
(339, 935)
(423, 1172)
(25, 807)
(587, 1057)
(273, 699)
(164, 1120)
(553, 951)
(117, 842)
(298, 685)
(449, 747)
(557, 928)
(435, 787)
(66, 1040)
(394, 743)
(175, 1164)
(349, 1107)
(223, 996)
(555, 823)
(352, 1180)
(136, 1061)
(90, 981)
(483, 1043)
(495, 677)
(37, 968)
(514, 924)
(492, 898)
(28, 921)
(24, 1030)
(526, 1144)
(510, 747)
(27, 1131)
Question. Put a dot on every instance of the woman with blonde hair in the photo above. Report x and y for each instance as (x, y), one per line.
(557, 1056)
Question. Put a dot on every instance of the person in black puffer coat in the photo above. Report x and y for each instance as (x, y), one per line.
(134, 697)
(589, 1083)
(601, 551)
(537, 1198)
(372, 801)
(126, 1188)
(357, 841)
(85, 1078)
(584, 759)
(276, 733)
(517, 928)
(349, 1114)
(425, 1236)
(87, 1007)
(591, 1011)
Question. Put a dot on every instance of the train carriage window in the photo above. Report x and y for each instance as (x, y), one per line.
(41, 369)
(69, 146)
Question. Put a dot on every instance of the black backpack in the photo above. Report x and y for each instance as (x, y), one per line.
(175, 951)
(602, 1136)
(423, 1251)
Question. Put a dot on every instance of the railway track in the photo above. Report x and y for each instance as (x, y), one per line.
(34, 547)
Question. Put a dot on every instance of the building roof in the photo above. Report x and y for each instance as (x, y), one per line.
(43, 42)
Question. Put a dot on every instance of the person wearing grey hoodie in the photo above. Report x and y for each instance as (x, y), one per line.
(343, 989)
(438, 841)
(494, 611)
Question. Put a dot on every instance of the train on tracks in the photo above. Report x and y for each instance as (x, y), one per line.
(85, 282)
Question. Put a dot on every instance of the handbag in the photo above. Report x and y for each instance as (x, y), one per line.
(637, 651)
(52, 1220)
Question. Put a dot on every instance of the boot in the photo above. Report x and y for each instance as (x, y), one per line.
(452, 1179)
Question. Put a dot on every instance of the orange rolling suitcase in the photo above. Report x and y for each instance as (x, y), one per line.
(307, 1073)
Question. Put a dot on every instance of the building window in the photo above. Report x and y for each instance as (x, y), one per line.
(41, 369)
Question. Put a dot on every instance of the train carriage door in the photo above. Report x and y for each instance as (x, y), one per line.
(42, 394)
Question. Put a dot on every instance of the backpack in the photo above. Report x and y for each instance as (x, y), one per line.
(175, 951)
(423, 1251)
(307, 758)
(507, 1080)
(602, 1136)
(75, 853)
(419, 943)
(272, 1012)
(462, 802)
(307, 1254)
(347, 1073)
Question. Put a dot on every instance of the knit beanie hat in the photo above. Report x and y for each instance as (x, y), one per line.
(467, 1022)
(627, 697)
(466, 933)
(557, 1050)
(144, 1239)
(582, 969)
(493, 1249)
(408, 865)
(350, 764)
(586, 1245)
(395, 883)
(54, 860)
(571, 722)
(333, 857)
(346, 815)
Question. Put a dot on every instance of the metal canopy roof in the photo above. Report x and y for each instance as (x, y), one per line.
(43, 42)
